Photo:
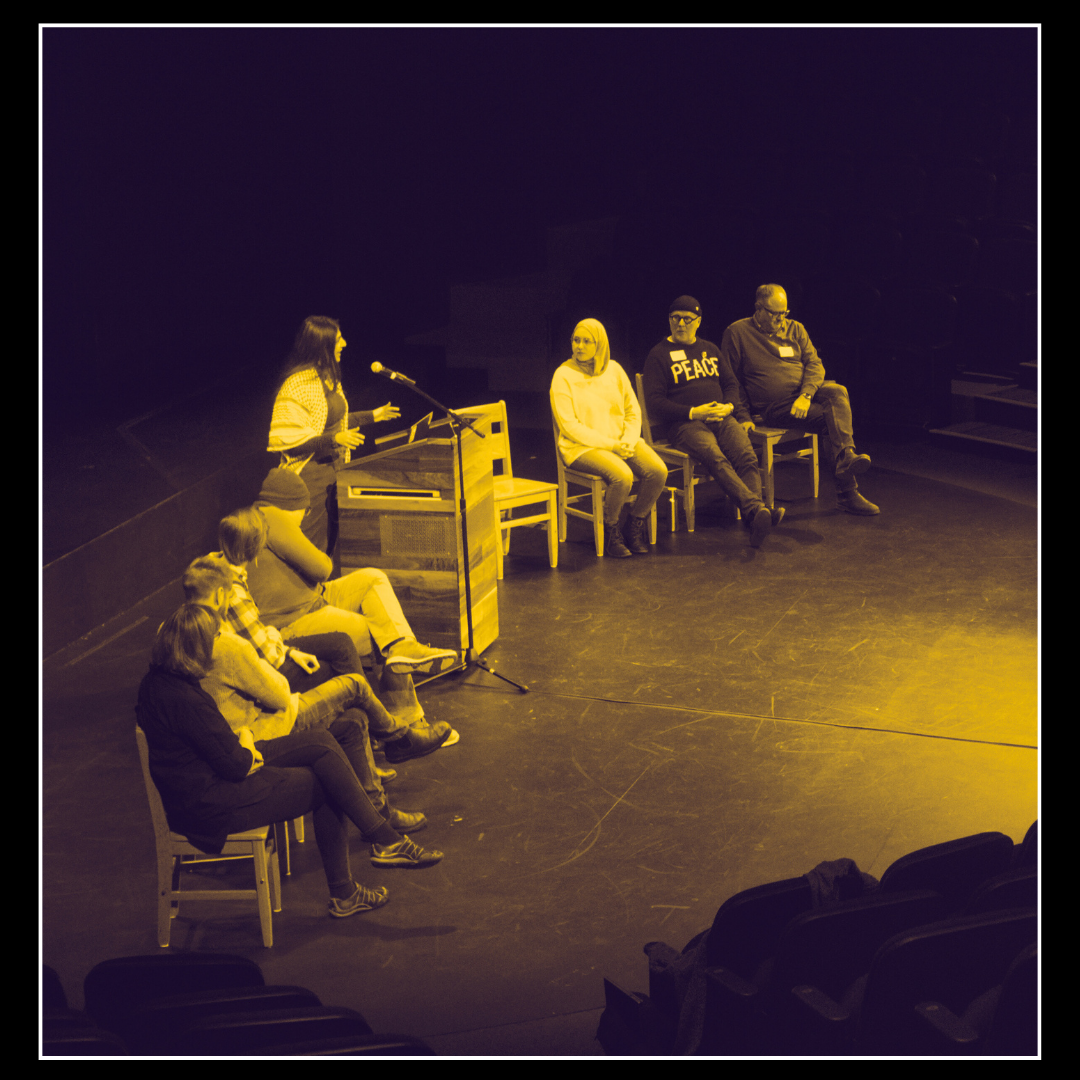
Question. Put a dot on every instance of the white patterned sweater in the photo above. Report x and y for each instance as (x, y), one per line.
(300, 415)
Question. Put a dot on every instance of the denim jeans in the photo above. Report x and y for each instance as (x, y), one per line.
(828, 417)
(724, 449)
(619, 475)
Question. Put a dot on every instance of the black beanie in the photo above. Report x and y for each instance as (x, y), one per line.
(685, 303)
(285, 489)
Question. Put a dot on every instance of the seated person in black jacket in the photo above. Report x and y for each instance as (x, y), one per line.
(214, 781)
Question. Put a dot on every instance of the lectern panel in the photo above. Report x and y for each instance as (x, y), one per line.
(399, 511)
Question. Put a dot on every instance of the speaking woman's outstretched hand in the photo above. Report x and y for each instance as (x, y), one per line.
(387, 412)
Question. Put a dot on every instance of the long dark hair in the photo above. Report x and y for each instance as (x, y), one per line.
(314, 348)
(185, 642)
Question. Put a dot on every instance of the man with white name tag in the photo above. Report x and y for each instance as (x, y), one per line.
(691, 396)
(780, 377)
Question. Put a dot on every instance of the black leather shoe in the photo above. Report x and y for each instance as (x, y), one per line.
(418, 741)
(637, 535)
(614, 548)
(401, 821)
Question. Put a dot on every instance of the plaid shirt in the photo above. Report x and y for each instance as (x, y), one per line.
(243, 618)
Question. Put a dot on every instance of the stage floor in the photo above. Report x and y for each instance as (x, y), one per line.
(699, 720)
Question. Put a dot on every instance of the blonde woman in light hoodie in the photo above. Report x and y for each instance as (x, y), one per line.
(599, 423)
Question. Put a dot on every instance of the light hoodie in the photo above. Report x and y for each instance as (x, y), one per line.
(595, 409)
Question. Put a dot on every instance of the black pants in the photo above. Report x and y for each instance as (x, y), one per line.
(321, 782)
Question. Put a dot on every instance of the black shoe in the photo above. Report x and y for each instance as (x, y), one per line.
(637, 535)
(614, 548)
(854, 503)
(760, 527)
(418, 741)
(401, 821)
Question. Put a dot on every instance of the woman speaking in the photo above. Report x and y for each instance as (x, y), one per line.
(312, 428)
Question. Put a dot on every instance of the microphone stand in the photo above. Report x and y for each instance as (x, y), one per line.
(457, 424)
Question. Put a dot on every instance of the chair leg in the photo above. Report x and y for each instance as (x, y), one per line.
(767, 473)
(281, 839)
(673, 507)
(165, 891)
(498, 556)
(652, 524)
(262, 890)
(814, 466)
(598, 517)
(298, 828)
(275, 879)
(552, 534)
(689, 506)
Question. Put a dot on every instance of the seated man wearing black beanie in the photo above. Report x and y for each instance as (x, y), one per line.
(690, 394)
(289, 582)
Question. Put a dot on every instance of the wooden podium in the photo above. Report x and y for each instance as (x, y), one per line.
(399, 510)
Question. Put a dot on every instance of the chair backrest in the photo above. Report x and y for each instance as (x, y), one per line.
(497, 443)
(830, 947)
(157, 807)
(748, 925)
(950, 962)
(953, 869)
(646, 427)
(115, 988)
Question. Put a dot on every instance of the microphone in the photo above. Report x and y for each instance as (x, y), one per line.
(395, 375)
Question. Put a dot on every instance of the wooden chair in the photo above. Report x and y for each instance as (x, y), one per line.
(513, 491)
(595, 494)
(689, 472)
(256, 844)
(766, 442)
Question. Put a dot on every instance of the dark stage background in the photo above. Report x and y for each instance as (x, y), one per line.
(205, 190)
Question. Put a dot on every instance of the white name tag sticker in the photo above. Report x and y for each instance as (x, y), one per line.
(678, 354)
(786, 350)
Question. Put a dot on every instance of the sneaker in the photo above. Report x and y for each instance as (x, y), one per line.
(637, 535)
(760, 526)
(409, 656)
(402, 821)
(419, 741)
(364, 899)
(614, 548)
(403, 853)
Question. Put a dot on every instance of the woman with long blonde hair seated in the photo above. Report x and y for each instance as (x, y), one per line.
(600, 434)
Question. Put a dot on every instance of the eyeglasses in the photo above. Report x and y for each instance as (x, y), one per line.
(775, 314)
(683, 319)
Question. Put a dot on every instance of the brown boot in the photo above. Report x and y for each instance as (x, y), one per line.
(614, 548)
(637, 535)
